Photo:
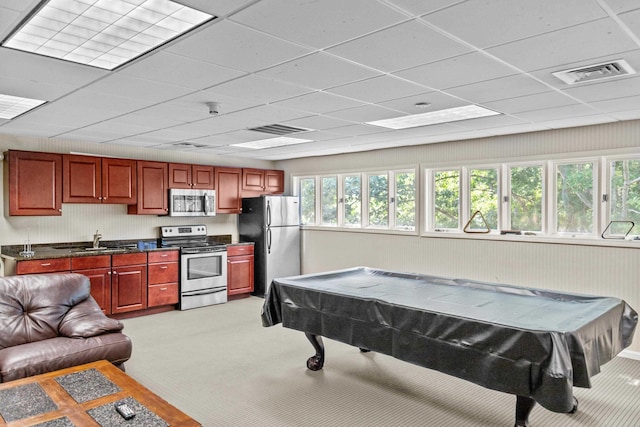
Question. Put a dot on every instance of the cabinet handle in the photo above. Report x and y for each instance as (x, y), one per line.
(164, 255)
(163, 289)
(163, 267)
(45, 264)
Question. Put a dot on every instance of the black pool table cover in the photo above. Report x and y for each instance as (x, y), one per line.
(529, 342)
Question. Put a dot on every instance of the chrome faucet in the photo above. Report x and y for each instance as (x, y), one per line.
(96, 240)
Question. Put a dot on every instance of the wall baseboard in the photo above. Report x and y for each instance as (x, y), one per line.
(630, 354)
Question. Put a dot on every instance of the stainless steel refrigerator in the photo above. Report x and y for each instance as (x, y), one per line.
(273, 224)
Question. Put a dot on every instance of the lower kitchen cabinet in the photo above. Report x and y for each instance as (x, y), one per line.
(240, 278)
(163, 278)
(128, 282)
(39, 266)
(98, 270)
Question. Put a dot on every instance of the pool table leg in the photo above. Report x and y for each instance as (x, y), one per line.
(524, 405)
(315, 362)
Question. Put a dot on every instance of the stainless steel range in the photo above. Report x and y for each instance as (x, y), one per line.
(203, 265)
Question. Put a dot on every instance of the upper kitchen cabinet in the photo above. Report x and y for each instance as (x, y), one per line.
(88, 179)
(228, 193)
(153, 185)
(191, 176)
(260, 181)
(35, 183)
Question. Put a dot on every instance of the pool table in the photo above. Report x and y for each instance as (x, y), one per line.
(533, 343)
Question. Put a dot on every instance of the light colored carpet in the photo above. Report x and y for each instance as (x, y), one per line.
(220, 366)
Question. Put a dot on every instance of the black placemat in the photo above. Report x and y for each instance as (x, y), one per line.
(24, 401)
(58, 422)
(107, 416)
(87, 385)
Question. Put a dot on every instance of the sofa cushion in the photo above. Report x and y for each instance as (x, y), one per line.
(32, 306)
(86, 319)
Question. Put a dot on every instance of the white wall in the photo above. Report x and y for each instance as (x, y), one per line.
(80, 221)
(600, 270)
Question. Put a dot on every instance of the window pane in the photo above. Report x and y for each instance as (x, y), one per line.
(330, 200)
(308, 200)
(574, 198)
(446, 198)
(625, 192)
(483, 192)
(406, 200)
(379, 200)
(353, 200)
(526, 198)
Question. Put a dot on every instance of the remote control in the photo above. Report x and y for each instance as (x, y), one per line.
(125, 410)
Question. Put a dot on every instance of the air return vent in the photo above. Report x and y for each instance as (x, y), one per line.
(188, 145)
(605, 70)
(277, 129)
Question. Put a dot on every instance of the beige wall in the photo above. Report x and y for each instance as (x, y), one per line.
(600, 270)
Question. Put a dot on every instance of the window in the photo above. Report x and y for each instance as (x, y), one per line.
(352, 198)
(446, 199)
(378, 200)
(329, 200)
(624, 190)
(574, 211)
(307, 194)
(483, 195)
(405, 200)
(526, 198)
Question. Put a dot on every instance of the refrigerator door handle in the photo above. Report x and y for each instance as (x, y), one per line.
(268, 213)
(269, 240)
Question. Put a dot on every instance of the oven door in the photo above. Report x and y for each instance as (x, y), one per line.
(204, 272)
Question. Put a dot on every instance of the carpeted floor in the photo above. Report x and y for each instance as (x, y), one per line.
(220, 366)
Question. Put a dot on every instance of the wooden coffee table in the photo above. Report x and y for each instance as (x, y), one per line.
(84, 396)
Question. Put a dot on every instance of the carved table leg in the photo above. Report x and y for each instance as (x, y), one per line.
(316, 362)
(524, 405)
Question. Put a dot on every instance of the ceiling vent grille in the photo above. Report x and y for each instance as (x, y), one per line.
(605, 70)
(188, 145)
(277, 129)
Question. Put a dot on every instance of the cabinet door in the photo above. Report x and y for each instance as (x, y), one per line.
(118, 181)
(128, 288)
(153, 194)
(202, 177)
(253, 180)
(179, 175)
(54, 265)
(228, 198)
(239, 274)
(100, 279)
(35, 183)
(82, 179)
(274, 181)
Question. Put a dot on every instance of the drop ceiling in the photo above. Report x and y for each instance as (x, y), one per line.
(331, 67)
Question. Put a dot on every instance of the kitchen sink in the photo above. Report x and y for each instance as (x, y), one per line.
(100, 250)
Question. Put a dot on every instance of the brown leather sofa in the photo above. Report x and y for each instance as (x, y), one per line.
(50, 322)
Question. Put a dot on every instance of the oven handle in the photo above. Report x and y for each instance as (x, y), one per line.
(198, 293)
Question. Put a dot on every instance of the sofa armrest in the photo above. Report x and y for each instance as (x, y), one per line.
(86, 319)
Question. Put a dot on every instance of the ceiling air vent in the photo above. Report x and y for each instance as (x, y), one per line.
(277, 129)
(605, 70)
(188, 145)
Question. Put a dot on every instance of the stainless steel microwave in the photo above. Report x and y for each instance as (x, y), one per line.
(189, 202)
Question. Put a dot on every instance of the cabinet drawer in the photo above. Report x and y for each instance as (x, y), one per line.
(163, 294)
(128, 259)
(163, 273)
(86, 262)
(163, 256)
(43, 266)
(239, 250)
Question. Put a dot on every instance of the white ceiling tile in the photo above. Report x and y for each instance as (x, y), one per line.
(312, 71)
(564, 112)
(607, 89)
(629, 103)
(216, 8)
(319, 102)
(318, 122)
(490, 23)
(379, 89)
(579, 43)
(436, 101)
(367, 113)
(420, 7)
(490, 122)
(503, 88)
(177, 70)
(232, 45)
(619, 6)
(135, 88)
(417, 43)
(319, 24)
(463, 69)
(259, 88)
(537, 101)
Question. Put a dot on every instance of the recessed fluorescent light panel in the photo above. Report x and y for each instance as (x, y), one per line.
(12, 106)
(435, 117)
(103, 33)
(271, 143)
